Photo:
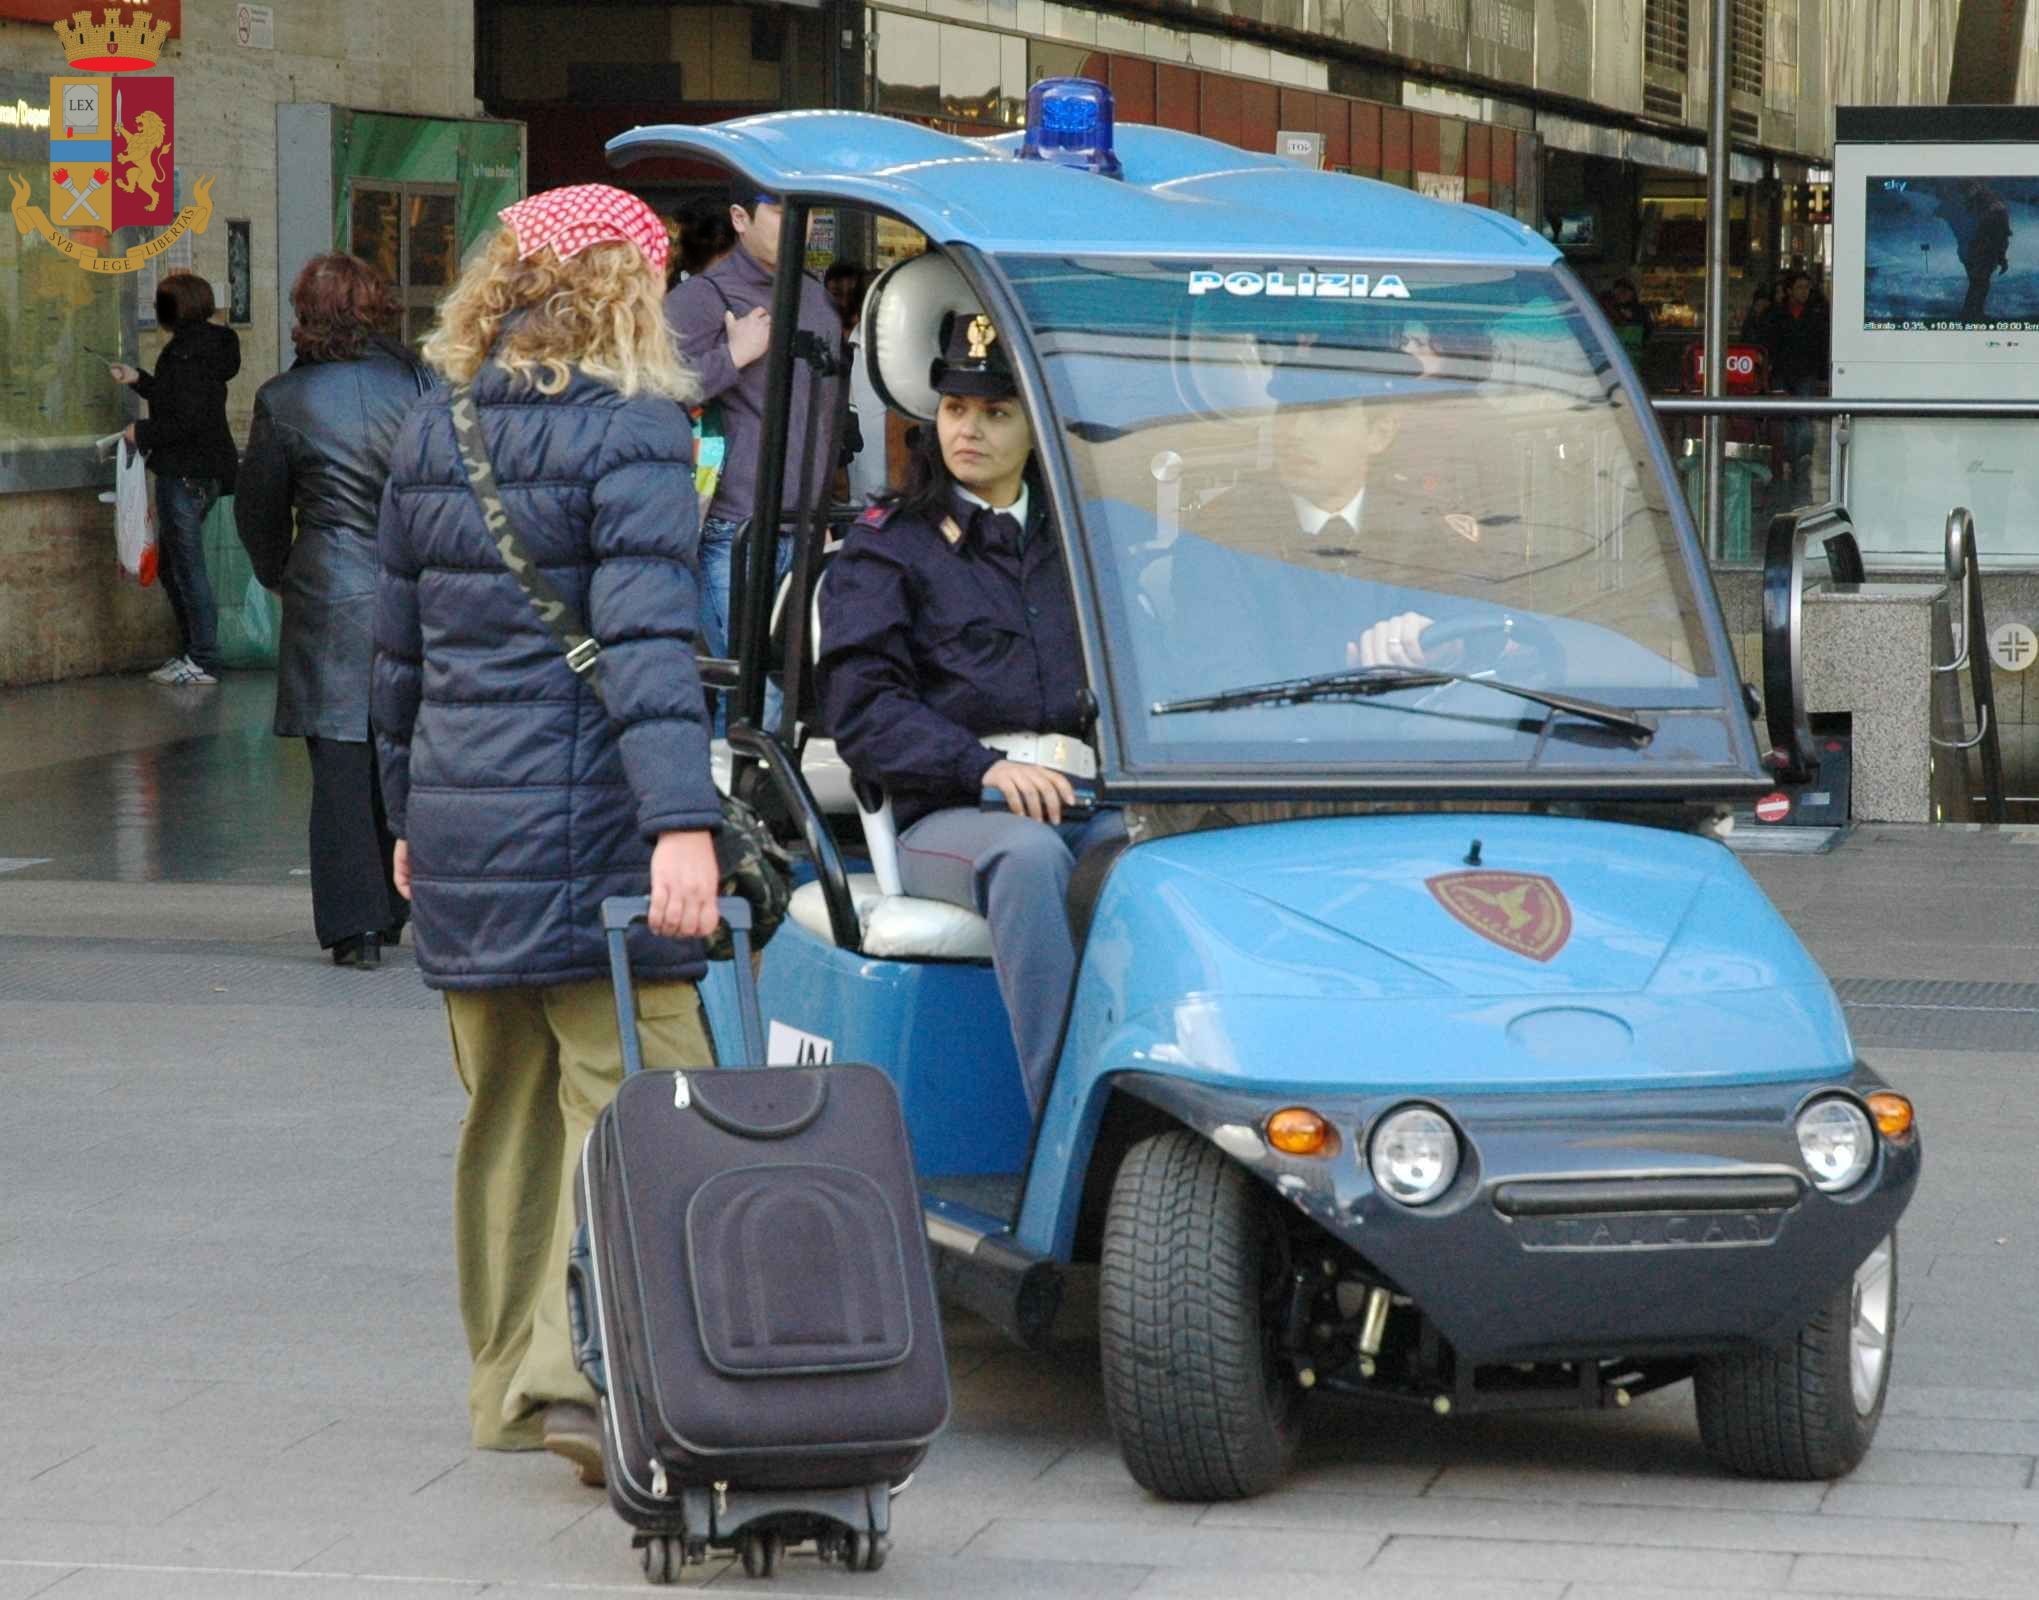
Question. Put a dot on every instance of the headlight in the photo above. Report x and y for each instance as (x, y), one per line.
(1414, 1155)
(1837, 1142)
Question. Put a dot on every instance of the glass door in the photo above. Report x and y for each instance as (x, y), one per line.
(409, 233)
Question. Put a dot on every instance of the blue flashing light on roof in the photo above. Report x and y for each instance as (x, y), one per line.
(1069, 123)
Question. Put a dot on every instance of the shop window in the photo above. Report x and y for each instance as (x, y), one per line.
(409, 232)
(59, 325)
(909, 65)
(970, 76)
(961, 78)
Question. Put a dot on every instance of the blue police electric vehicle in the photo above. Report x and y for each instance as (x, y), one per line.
(1427, 1043)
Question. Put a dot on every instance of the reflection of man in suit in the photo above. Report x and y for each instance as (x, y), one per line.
(1372, 511)
(1269, 578)
(1417, 490)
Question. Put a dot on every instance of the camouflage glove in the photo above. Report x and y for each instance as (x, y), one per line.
(755, 866)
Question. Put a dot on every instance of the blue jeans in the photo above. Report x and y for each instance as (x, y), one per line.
(718, 539)
(181, 505)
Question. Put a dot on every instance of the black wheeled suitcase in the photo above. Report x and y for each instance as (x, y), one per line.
(751, 1299)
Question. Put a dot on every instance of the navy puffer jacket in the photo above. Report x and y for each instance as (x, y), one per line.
(524, 798)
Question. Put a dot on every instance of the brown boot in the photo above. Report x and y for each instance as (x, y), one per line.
(574, 1431)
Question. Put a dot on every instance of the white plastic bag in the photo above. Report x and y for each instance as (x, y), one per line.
(134, 511)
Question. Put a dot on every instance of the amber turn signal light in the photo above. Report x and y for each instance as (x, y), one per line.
(1298, 1131)
(1893, 1114)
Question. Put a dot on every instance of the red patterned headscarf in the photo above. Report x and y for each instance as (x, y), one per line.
(567, 221)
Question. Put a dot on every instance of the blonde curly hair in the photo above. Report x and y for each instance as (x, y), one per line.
(601, 311)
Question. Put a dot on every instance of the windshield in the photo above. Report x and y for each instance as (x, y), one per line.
(1286, 472)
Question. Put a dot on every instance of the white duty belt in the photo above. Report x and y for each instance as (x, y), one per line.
(1064, 752)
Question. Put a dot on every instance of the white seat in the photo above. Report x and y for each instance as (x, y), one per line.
(898, 927)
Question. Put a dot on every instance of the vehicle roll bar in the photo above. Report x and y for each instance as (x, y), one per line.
(763, 747)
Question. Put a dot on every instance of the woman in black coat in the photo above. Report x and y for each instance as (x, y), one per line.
(191, 451)
(319, 454)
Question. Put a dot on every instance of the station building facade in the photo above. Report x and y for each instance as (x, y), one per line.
(396, 127)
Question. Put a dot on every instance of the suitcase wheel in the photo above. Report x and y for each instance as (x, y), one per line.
(663, 1558)
(761, 1552)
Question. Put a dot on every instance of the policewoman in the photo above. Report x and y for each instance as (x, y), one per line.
(948, 639)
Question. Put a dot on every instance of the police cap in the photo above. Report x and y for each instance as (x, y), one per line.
(973, 359)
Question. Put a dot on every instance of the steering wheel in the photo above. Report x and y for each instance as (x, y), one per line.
(1510, 645)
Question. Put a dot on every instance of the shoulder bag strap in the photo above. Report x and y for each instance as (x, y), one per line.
(561, 620)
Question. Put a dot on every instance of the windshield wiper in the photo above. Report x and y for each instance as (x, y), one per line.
(1361, 683)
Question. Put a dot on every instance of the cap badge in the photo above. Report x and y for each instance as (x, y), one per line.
(982, 336)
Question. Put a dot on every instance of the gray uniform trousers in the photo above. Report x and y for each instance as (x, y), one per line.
(1014, 872)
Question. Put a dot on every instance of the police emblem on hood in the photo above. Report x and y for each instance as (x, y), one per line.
(1520, 911)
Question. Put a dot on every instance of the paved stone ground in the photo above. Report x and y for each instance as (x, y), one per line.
(231, 1367)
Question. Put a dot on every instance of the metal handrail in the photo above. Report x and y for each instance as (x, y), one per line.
(1840, 412)
(1794, 755)
(1964, 576)
(1959, 545)
(1680, 405)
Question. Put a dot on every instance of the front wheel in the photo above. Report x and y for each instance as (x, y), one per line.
(1191, 1292)
(1807, 1409)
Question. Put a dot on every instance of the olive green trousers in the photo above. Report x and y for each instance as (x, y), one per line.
(537, 1064)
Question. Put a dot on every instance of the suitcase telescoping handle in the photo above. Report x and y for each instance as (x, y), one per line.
(619, 912)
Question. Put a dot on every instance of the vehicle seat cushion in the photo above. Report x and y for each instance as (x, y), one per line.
(898, 927)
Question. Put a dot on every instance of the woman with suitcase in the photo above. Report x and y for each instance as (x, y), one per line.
(523, 789)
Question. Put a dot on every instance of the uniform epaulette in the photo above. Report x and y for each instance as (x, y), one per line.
(878, 516)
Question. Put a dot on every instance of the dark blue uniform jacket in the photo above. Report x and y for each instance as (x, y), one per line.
(525, 801)
(925, 645)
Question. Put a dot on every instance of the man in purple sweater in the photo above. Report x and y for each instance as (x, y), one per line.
(723, 322)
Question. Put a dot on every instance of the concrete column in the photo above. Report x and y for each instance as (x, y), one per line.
(1989, 42)
(1869, 652)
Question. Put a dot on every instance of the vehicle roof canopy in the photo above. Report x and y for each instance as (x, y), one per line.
(1180, 192)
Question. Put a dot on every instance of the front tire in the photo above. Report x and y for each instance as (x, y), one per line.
(1194, 1274)
(1808, 1409)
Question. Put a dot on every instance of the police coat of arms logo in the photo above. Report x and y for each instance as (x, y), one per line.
(112, 145)
(1520, 911)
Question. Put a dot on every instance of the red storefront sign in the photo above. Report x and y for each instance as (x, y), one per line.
(1745, 368)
